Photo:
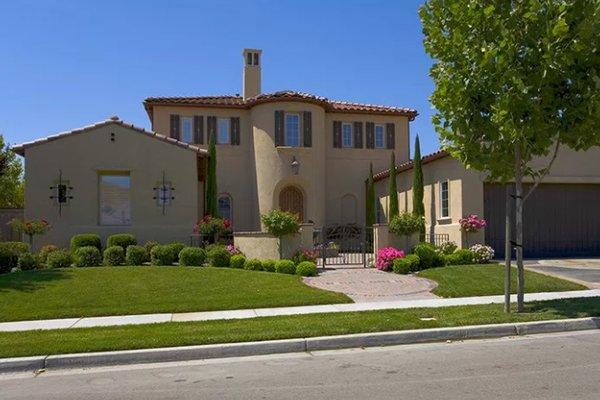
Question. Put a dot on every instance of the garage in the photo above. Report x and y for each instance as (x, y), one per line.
(560, 220)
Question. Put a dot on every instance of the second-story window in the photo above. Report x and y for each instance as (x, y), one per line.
(379, 137)
(292, 130)
(347, 135)
(186, 130)
(223, 131)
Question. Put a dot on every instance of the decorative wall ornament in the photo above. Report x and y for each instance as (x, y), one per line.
(61, 192)
(164, 193)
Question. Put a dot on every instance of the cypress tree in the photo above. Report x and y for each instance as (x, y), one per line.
(211, 179)
(370, 211)
(418, 206)
(393, 190)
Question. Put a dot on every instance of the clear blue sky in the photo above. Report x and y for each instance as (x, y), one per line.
(65, 64)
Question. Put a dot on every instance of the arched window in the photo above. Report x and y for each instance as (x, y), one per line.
(348, 209)
(292, 200)
(225, 209)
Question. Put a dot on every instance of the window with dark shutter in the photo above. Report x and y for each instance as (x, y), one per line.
(211, 127)
(279, 138)
(337, 133)
(198, 129)
(370, 128)
(358, 135)
(174, 127)
(307, 128)
(390, 130)
(235, 131)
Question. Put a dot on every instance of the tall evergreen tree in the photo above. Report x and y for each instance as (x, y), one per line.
(211, 179)
(370, 210)
(418, 206)
(393, 190)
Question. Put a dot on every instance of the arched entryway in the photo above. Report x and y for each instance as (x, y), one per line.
(291, 199)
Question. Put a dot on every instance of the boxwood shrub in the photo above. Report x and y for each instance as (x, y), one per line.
(162, 255)
(268, 265)
(87, 256)
(428, 257)
(59, 259)
(8, 259)
(122, 240)
(192, 257)
(409, 263)
(27, 261)
(135, 255)
(114, 256)
(16, 247)
(306, 268)
(460, 257)
(285, 267)
(253, 265)
(237, 261)
(85, 239)
(219, 257)
(176, 247)
(148, 246)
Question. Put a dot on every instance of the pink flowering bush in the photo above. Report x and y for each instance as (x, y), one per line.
(471, 223)
(386, 256)
(233, 250)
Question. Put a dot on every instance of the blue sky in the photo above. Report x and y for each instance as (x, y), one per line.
(65, 64)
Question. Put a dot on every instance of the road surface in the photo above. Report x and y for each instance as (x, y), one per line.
(558, 366)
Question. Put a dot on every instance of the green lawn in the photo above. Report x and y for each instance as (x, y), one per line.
(97, 291)
(29, 343)
(488, 279)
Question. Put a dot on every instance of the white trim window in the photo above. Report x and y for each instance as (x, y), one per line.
(187, 134)
(292, 130)
(379, 136)
(223, 131)
(347, 138)
(445, 199)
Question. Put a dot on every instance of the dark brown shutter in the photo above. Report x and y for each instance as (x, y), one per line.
(279, 138)
(358, 135)
(235, 131)
(198, 129)
(307, 128)
(175, 127)
(370, 135)
(390, 130)
(211, 127)
(337, 133)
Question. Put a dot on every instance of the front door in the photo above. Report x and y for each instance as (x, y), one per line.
(292, 200)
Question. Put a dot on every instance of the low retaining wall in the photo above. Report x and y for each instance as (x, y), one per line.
(382, 237)
(262, 245)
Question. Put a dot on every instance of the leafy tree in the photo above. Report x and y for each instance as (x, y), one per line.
(370, 203)
(418, 205)
(211, 207)
(393, 191)
(11, 178)
(514, 80)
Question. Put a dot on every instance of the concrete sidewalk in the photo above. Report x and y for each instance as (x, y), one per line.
(69, 323)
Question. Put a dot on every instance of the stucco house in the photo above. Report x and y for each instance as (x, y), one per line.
(288, 150)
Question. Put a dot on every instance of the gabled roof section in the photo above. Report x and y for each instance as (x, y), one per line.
(236, 101)
(20, 148)
(409, 165)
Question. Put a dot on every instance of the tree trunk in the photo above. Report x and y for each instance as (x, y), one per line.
(519, 229)
(507, 251)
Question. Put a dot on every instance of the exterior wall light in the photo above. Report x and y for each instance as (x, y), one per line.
(295, 166)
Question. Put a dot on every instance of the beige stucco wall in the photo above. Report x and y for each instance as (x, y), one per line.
(261, 245)
(82, 156)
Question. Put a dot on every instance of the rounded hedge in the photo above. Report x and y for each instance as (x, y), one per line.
(44, 251)
(285, 267)
(114, 256)
(135, 255)
(429, 258)
(162, 255)
(253, 265)
(84, 240)
(460, 257)
(87, 256)
(219, 257)
(268, 265)
(405, 265)
(27, 261)
(237, 261)
(8, 259)
(176, 247)
(148, 246)
(306, 268)
(122, 240)
(192, 257)
(59, 259)
(16, 247)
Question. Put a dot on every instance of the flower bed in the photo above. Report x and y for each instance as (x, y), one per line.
(386, 256)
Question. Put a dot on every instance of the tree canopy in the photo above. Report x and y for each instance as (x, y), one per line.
(11, 178)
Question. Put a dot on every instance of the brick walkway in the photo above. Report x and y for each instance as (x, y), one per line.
(370, 284)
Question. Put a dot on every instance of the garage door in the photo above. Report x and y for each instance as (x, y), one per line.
(560, 220)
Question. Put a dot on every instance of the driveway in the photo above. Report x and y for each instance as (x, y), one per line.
(370, 284)
(585, 271)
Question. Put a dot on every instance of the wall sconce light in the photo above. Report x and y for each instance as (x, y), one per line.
(295, 165)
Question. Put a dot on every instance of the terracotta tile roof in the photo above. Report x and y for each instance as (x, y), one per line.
(409, 164)
(20, 148)
(237, 101)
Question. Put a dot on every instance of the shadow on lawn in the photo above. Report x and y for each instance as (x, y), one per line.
(30, 281)
(570, 308)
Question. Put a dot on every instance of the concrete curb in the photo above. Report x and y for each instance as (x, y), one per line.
(187, 353)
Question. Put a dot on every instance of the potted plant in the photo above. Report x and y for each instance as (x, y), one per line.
(211, 228)
(407, 224)
(30, 227)
(279, 224)
(471, 224)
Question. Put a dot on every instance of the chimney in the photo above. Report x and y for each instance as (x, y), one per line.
(252, 59)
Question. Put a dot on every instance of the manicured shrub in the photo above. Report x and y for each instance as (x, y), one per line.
(59, 259)
(219, 257)
(27, 261)
(192, 257)
(280, 223)
(44, 251)
(135, 255)
(407, 264)
(87, 256)
(460, 257)
(85, 239)
(446, 248)
(427, 255)
(306, 268)
(482, 254)
(253, 265)
(237, 261)
(285, 267)
(8, 259)
(148, 246)
(162, 255)
(268, 265)
(406, 224)
(385, 257)
(114, 256)
(16, 247)
(176, 247)
(122, 240)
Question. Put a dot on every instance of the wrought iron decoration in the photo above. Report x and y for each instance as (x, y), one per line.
(164, 193)
(62, 192)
